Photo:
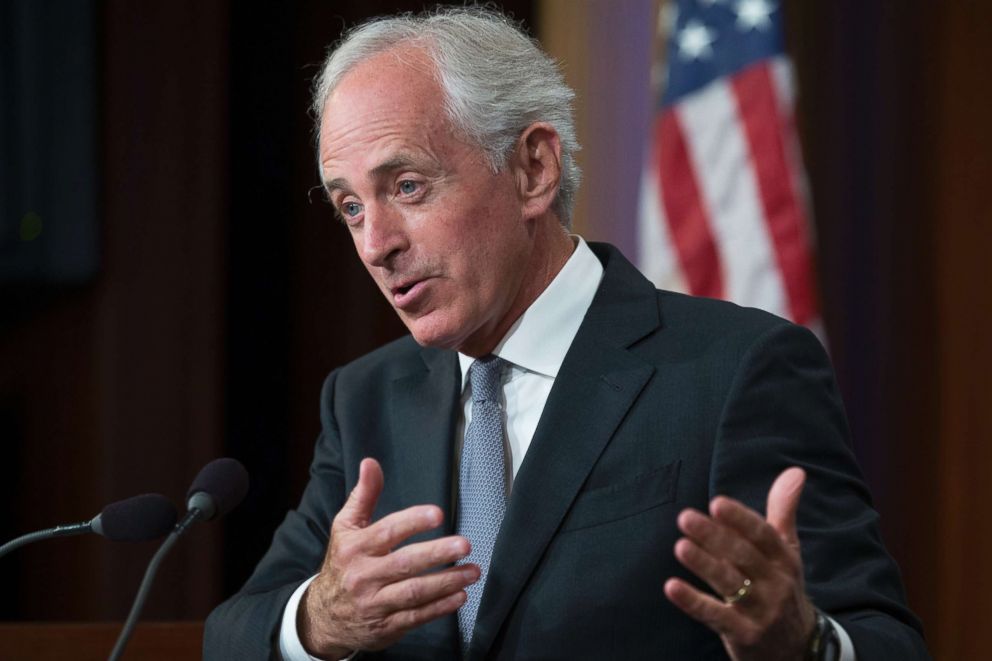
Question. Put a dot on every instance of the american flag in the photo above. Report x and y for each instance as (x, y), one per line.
(723, 209)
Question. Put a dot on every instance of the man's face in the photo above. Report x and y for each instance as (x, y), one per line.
(442, 235)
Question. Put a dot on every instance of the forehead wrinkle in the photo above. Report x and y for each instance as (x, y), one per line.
(361, 125)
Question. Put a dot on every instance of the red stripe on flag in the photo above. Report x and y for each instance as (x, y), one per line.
(687, 219)
(765, 128)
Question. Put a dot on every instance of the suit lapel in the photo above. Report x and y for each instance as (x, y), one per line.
(424, 406)
(598, 382)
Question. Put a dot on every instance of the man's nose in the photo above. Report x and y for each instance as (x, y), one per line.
(383, 235)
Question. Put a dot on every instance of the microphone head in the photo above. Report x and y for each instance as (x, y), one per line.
(223, 483)
(136, 519)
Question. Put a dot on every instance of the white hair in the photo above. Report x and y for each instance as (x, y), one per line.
(496, 81)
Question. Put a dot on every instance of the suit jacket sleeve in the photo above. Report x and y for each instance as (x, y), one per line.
(783, 404)
(246, 626)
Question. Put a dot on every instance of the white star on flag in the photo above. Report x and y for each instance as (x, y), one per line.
(754, 14)
(695, 41)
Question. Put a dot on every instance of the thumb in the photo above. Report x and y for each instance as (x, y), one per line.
(357, 511)
(783, 501)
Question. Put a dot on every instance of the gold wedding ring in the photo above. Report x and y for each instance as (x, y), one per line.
(740, 593)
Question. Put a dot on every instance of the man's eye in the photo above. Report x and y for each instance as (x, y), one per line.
(351, 209)
(408, 187)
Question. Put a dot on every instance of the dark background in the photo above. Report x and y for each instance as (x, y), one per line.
(215, 292)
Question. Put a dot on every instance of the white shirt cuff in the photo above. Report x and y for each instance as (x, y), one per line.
(290, 646)
(846, 646)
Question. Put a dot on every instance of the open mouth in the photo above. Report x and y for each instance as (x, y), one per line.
(407, 293)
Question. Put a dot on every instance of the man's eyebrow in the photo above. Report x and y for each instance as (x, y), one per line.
(395, 163)
(338, 183)
(400, 162)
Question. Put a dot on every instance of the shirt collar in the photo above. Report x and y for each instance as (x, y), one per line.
(539, 339)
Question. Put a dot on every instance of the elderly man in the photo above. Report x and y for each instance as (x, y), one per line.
(560, 462)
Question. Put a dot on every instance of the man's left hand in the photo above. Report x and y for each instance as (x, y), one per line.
(756, 564)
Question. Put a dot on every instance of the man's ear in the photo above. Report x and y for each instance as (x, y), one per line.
(536, 164)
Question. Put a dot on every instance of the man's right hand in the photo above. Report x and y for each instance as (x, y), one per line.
(367, 595)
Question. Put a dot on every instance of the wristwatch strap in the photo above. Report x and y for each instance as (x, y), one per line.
(824, 644)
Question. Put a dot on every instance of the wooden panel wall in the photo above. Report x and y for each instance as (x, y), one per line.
(962, 220)
(115, 388)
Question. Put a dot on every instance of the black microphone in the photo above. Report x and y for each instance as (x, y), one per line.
(135, 519)
(216, 490)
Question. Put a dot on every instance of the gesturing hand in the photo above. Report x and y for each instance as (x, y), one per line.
(774, 618)
(368, 595)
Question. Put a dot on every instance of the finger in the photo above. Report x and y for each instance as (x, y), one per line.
(416, 559)
(422, 590)
(415, 617)
(704, 608)
(721, 576)
(750, 524)
(358, 509)
(783, 501)
(723, 542)
(392, 530)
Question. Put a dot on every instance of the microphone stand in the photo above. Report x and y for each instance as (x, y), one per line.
(146, 583)
(219, 486)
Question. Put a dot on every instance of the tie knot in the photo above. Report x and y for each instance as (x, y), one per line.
(485, 377)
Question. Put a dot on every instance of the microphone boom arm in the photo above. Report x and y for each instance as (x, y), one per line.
(68, 530)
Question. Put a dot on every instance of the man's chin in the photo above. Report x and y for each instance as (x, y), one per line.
(435, 343)
(433, 335)
(470, 345)
(439, 332)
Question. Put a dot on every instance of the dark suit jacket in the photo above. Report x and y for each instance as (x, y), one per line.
(663, 401)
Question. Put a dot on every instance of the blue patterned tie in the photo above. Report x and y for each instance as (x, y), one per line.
(482, 481)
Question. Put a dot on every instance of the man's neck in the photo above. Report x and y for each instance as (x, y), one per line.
(552, 248)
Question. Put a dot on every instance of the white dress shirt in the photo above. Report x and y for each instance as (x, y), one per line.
(534, 349)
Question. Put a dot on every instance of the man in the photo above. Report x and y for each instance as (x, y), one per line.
(560, 462)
